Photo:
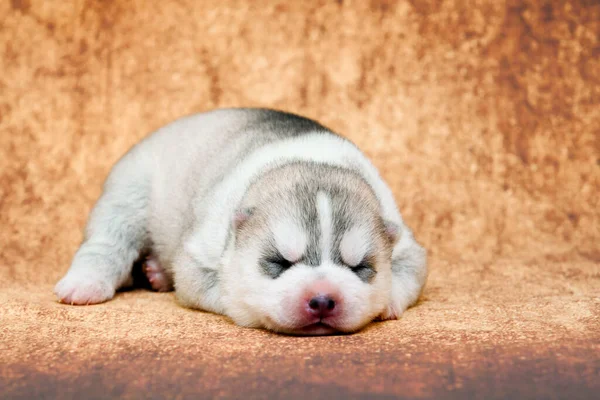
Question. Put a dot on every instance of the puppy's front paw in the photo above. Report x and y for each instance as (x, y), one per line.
(83, 287)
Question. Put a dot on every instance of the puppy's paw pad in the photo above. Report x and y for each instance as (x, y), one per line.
(159, 279)
(83, 289)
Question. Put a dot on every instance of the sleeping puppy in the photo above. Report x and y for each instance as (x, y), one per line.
(263, 216)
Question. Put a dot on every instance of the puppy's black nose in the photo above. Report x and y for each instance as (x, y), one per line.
(321, 305)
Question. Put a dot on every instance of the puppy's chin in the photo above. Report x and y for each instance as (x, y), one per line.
(316, 329)
(312, 328)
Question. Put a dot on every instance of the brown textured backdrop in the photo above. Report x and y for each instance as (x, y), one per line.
(483, 116)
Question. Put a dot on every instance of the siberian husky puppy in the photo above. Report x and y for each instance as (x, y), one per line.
(266, 217)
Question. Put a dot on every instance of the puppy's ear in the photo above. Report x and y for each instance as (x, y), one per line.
(392, 231)
(241, 216)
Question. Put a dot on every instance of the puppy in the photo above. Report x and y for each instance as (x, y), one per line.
(266, 217)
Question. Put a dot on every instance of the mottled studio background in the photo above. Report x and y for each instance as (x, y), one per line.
(483, 116)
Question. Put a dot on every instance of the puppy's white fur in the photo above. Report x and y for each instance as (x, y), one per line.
(290, 239)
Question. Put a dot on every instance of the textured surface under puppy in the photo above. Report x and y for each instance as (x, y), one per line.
(482, 116)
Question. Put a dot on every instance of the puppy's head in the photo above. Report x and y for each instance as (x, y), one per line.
(311, 253)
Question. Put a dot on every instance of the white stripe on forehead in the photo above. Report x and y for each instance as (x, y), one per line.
(290, 240)
(326, 223)
(355, 245)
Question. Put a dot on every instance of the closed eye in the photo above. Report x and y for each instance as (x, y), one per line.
(275, 264)
(362, 265)
(365, 270)
(280, 261)
(366, 263)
